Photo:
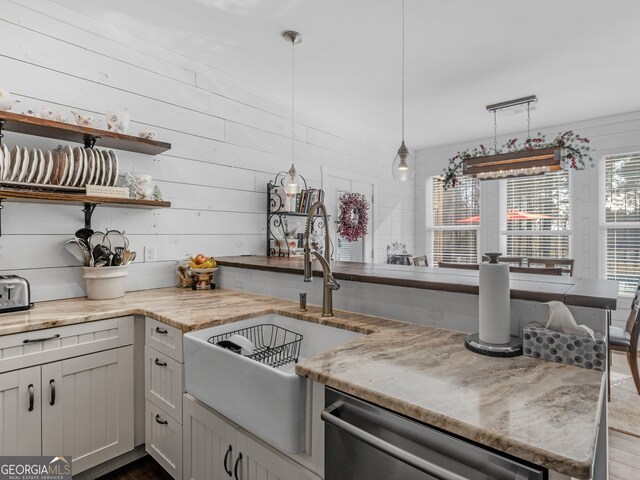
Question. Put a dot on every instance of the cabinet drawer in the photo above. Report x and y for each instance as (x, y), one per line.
(163, 439)
(164, 338)
(52, 344)
(163, 382)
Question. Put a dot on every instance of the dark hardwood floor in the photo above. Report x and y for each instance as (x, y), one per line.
(145, 468)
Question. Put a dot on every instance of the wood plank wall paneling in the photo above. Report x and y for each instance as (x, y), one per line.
(229, 138)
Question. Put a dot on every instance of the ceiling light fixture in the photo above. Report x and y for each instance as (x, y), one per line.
(402, 168)
(292, 182)
(530, 161)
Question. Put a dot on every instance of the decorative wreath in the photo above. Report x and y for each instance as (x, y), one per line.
(354, 217)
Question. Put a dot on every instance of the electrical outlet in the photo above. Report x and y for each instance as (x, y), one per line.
(239, 283)
(150, 254)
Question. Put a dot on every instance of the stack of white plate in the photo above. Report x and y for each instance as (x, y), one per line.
(64, 168)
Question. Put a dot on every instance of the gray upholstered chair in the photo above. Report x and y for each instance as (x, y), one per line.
(626, 339)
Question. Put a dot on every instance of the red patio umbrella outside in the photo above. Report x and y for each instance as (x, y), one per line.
(511, 215)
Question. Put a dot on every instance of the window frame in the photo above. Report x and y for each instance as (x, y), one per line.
(504, 232)
(602, 213)
(430, 228)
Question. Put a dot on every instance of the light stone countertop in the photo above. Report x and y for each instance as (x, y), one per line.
(539, 411)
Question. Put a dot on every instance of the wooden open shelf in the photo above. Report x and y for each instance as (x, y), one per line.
(15, 122)
(72, 198)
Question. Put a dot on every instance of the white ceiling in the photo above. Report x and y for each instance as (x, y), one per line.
(581, 57)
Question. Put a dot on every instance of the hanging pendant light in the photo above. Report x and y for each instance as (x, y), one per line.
(293, 181)
(527, 162)
(402, 168)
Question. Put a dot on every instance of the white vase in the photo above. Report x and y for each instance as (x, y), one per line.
(145, 184)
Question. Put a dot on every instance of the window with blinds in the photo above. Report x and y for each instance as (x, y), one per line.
(454, 221)
(622, 220)
(538, 216)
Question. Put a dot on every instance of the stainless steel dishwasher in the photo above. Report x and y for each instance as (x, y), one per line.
(366, 442)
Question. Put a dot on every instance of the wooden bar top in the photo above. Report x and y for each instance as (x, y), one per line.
(541, 288)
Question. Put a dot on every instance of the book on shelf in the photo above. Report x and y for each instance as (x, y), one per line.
(308, 197)
(109, 192)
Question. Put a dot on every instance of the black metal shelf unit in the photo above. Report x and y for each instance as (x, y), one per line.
(277, 214)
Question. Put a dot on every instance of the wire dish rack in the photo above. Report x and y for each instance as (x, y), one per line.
(274, 346)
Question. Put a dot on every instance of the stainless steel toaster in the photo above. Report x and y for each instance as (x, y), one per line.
(15, 294)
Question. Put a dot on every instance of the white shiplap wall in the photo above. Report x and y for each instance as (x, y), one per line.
(228, 137)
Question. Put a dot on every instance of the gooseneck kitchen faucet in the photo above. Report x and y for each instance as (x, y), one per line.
(329, 283)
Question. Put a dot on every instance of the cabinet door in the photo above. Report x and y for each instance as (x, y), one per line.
(163, 382)
(163, 439)
(88, 407)
(208, 443)
(260, 462)
(20, 412)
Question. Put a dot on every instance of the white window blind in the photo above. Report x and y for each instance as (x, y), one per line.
(538, 216)
(454, 221)
(622, 220)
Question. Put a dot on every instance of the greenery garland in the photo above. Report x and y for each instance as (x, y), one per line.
(576, 153)
(354, 216)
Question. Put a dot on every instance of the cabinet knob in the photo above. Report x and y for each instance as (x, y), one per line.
(162, 331)
(160, 364)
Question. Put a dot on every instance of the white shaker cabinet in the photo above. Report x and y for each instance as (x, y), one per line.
(163, 381)
(163, 439)
(87, 407)
(260, 462)
(216, 449)
(164, 387)
(68, 391)
(20, 412)
(209, 443)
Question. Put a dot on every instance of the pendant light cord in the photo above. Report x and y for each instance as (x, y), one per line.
(293, 97)
(495, 133)
(528, 120)
(402, 71)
